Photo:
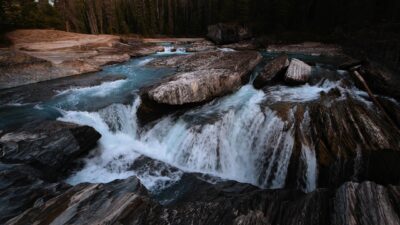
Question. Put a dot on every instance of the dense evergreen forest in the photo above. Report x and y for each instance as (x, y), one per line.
(191, 17)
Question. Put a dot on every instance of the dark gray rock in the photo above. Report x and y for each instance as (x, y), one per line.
(118, 202)
(22, 187)
(271, 71)
(50, 146)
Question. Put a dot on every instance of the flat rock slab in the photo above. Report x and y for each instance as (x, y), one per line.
(307, 48)
(41, 55)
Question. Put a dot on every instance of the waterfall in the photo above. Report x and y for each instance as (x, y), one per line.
(238, 137)
(221, 138)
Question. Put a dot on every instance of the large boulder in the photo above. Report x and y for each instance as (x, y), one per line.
(298, 72)
(201, 77)
(51, 146)
(226, 33)
(271, 71)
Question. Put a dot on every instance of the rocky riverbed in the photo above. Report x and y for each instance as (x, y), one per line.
(195, 134)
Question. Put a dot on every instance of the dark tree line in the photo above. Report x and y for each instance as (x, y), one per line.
(191, 17)
(28, 14)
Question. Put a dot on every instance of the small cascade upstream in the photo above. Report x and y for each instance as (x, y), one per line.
(170, 49)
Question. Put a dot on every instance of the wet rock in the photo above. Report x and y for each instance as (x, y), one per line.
(380, 80)
(366, 203)
(273, 69)
(118, 202)
(52, 146)
(225, 33)
(21, 188)
(298, 72)
(360, 146)
(201, 77)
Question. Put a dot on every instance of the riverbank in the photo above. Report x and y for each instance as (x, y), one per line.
(40, 55)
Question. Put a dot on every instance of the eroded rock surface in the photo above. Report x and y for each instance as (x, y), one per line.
(40, 55)
(52, 146)
(119, 202)
(22, 187)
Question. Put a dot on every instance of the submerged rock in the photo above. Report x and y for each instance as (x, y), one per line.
(273, 69)
(225, 33)
(298, 72)
(201, 77)
(52, 146)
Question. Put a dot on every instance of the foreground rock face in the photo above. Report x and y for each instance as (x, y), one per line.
(52, 147)
(40, 55)
(119, 202)
(223, 33)
(22, 187)
(127, 202)
(270, 72)
(201, 77)
(298, 72)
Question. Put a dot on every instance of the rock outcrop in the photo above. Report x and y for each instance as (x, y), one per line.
(380, 80)
(52, 147)
(225, 33)
(201, 77)
(40, 55)
(350, 140)
(119, 202)
(22, 187)
(27, 199)
(271, 71)
(298, 72)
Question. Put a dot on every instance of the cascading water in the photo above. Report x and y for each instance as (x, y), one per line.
(240, 137)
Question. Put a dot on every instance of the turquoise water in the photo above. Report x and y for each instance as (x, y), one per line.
(45, 101)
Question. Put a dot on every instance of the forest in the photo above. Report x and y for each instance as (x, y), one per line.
(191, 17)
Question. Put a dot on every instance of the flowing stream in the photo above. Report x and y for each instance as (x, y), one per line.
(236, 137)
